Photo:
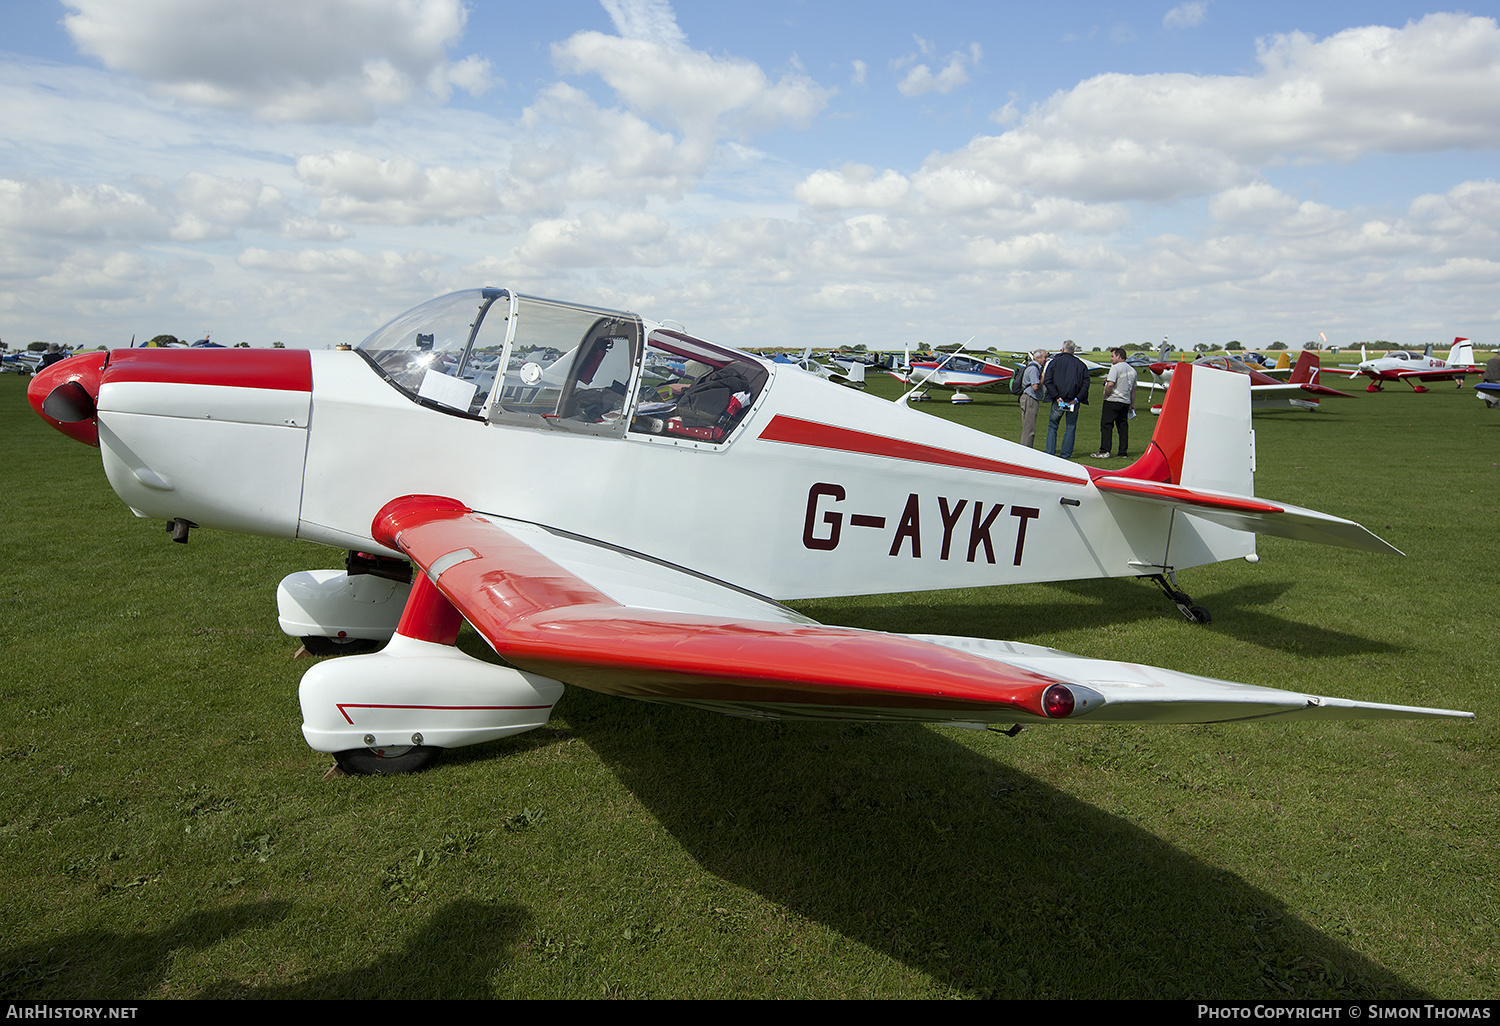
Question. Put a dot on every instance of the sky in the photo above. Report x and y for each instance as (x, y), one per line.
(787, 173)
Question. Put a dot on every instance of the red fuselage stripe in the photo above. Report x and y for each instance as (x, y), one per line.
(823, 436)
(288, 370)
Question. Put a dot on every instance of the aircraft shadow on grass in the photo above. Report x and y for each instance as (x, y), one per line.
(452, 956)
(978, 875)
(99, 963)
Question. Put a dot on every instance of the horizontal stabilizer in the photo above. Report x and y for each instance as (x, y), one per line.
(1246, 513)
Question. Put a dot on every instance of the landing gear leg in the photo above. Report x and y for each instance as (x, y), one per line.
(1181, 599)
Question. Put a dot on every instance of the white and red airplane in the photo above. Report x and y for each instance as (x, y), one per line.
(1300, 391)
(957, 372)
(1412, 368)
(617, 505)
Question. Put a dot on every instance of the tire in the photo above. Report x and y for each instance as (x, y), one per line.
(318, 645)
(388, 761)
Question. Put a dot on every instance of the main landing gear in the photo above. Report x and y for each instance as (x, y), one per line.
(396, 710)
(1181, 599)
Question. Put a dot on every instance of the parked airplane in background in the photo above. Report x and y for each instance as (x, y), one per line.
(958, 372)
(629, 532)
(839, 372)
(1279, 368)
(1400, 365)
(22, 362)
(1300, 391)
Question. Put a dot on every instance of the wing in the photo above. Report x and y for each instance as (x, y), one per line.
(1433, 375)
(1287, 388)
(625, 624)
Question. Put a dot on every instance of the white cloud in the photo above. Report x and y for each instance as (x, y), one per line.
(1186, 15)
(652, 21)
(679, 110)
(198, 208)
(575, 150)
(1261, 207)
(1469, 210)
(920, 79)
(853, 185)
(1461, 271)
(344, 264)
(1432, 85)
(698, 94)
(594, 239)
(359, 187)
(51, 209)
(285, 60)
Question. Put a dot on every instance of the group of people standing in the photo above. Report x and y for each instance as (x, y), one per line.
(1061, 380)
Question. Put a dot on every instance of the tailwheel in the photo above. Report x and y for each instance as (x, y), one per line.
(388, 760)
(1181, 599)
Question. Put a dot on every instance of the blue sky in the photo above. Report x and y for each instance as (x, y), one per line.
(784, 173)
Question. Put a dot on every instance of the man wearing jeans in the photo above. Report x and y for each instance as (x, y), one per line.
(1065, 384)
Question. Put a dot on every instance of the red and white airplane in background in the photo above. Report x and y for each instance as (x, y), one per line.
(615, 504)
(1412, 368)
(1300, 391)
(959, 372)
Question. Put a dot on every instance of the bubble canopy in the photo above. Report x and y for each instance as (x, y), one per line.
(551, 360)
(491, 354)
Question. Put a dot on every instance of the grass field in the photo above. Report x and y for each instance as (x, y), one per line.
(165, 832)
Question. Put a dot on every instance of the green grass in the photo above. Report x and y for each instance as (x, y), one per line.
(165, 832)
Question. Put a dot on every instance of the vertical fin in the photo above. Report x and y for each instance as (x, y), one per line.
(1219, 451)
(1162, 460)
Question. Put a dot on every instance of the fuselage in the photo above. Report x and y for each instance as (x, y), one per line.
(805, 489)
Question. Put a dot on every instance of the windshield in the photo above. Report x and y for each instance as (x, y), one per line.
(445, 352)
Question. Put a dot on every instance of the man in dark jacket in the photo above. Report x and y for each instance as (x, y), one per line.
(1065, 386)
